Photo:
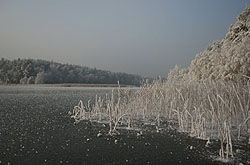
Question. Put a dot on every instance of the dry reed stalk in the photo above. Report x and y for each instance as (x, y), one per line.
(198, 107)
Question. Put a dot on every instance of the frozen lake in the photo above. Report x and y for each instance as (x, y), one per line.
(36, 128)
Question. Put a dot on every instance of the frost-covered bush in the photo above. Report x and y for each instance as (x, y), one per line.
(177, 74)
(228, 58)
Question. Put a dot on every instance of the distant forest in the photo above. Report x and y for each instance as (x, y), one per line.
(29, 71)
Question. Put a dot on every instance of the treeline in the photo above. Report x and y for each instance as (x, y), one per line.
(29, 71)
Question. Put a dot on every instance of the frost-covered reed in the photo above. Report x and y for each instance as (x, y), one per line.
(206, 110)
(199, 108)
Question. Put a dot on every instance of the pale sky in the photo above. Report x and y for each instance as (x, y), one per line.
(146, 37)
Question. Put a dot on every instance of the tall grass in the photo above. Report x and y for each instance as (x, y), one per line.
(206, 110)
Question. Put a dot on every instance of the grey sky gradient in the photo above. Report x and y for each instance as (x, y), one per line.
(146, 37)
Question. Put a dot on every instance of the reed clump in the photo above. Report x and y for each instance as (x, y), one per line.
(199, 108)
(207, 110)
